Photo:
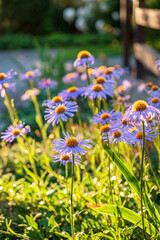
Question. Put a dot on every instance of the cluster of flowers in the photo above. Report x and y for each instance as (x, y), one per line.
(106, 84)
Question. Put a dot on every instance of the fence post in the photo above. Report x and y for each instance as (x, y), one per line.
(125, 10)
(139, 37)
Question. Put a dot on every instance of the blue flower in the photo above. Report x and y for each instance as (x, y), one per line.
(158, 64)
(70, 77)
(13, 132)
(154, 91)
(104, 117)
(63, 159)
(5, 77)
(136, 136)
(141, 111)
(30, 75)
(61, 111)
(115, 136)
(107, 83)
(83, 59)
(55, 101)
(47, 82)
(155, 102)
(71, 145)
(97, 91)
(71, 93)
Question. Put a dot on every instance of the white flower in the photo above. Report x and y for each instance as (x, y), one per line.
(99, 25)
(115, 16)
(69, 14)
(81, 24)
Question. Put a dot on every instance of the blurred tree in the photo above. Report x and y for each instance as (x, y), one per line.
(24, 16)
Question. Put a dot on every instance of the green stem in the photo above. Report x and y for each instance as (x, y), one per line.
(154, 175)
(109, 172)
(9, 110)
(142, 183)
(39, 117)
(31, 84)
(61, 124)
(11, 104)
(98, 105)
(48, 93)
(71, 131)
(88, 79)
(32, 160)
(72, 181)
(66, 170)
(79, 120)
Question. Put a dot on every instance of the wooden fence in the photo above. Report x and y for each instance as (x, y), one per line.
(142, 17)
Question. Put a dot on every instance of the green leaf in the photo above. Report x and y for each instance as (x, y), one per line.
(133, 182)
(125, 213)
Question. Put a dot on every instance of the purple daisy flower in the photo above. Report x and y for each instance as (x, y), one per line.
(55, 101)
(61, 111)
(47, 82)
(70, 77)
(71, 145)
(63, 159)
(8, 86)
(155, 102)
(30, 75)
(93, 73)
(5, 77)
(104, 117)
(136, 137)
(107, 83)
(141, 111)
(158, 64)
(83, 59)
(71, 93)
(13, 132)
(121, 124)
(154, 91)
(115, 136)
(96, 91)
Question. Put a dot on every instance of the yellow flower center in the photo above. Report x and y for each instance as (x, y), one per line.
(97, 88)
(133, 129)
(69, 75)
(6, 85)
(90, 71)
(47, 81)
(139, 105)
(109, 70)
(149, 120)
(72, 142)
(28, 92)
(116, 66)
(57, 99)
(119, 99)
(121, 88)
(105, 116)
(100, 80)
(124, 121)
(105, 128)
(155, 100)
(154, 88)
(60, 109)
(102, 68)
(2, 76)
(16, 132)
(29, 74)
(139, 135)
(149, 84)
(65, 157)
(117, 134)
(83, 54)
(72, 89)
